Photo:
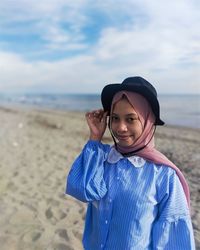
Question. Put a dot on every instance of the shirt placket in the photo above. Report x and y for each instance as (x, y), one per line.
(107, 207)
(105, 220)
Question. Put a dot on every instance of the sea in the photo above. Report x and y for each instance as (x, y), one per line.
(181, 110)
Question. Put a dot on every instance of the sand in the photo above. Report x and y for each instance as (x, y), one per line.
(37, 148)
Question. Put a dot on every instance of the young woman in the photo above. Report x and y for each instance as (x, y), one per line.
(137, 198)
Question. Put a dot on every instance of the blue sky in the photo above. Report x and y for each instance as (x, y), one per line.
(62, 46)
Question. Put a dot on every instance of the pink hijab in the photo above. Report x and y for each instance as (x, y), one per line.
(147, 119)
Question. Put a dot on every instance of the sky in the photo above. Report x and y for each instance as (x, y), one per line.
(65, 46)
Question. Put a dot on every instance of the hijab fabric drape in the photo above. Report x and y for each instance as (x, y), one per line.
(146, 141)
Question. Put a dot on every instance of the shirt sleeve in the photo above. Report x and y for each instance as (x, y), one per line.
(172, 229)
(85, 181)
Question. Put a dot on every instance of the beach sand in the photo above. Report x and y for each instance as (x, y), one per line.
(37, 148)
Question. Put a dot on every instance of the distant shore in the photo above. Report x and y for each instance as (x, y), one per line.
(174, 110)
(37, 149)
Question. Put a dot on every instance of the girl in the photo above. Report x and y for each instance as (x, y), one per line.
(137, 198)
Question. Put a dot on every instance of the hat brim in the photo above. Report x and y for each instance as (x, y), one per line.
(110, 90)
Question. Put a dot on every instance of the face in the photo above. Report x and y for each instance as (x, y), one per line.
(125, 123)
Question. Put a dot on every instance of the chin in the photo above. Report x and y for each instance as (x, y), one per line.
(125, 144)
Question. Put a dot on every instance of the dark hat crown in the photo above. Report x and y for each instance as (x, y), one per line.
(134, 84)
(138, 81)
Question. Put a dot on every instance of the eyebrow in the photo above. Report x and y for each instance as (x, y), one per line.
(130, 114)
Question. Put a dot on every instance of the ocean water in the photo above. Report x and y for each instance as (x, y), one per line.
(182, 110)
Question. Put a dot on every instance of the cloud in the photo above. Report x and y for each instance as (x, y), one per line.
(81, 45)
(84, 74)
(56, 23)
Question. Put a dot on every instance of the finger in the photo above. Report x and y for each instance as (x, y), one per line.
(104, 116)
(87, 114)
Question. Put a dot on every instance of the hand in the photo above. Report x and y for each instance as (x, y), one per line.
(97, 122)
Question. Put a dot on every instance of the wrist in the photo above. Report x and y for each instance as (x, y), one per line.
(95, 138)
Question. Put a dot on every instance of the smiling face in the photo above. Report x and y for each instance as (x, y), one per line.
(125, 123)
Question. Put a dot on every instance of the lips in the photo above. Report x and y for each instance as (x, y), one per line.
(123, 138)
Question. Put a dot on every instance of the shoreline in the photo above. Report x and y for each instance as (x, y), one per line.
(38, 147)
(64, 111)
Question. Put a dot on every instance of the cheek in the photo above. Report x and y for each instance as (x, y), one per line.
(139, 129)
(113, 127)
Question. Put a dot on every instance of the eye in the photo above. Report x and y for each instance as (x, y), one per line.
(132, 119)
(114, 118)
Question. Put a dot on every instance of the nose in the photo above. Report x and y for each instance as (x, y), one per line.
(122, 127)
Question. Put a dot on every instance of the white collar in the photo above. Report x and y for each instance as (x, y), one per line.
(114, 156)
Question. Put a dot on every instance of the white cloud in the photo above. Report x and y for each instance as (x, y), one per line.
(15, 73)
(158, 41)
(84, 74)
(47, 19)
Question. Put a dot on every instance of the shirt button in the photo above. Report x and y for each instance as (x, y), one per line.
(101, 245)
(106, 221)
(118, 178)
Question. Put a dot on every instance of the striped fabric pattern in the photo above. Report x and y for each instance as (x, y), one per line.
(131, 206)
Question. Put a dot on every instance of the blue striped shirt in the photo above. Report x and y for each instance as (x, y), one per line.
(133, 204)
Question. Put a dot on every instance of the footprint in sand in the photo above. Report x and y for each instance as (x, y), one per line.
(33, 235)
(49, 213)
(36, 236)
(62, 233)
(61, 215)
(61, 246)
(78, 235)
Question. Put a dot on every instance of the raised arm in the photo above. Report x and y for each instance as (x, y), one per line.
(85, 180)
(97, 122)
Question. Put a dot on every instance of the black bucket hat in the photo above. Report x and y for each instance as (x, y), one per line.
(134, 84)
